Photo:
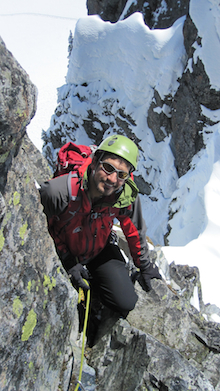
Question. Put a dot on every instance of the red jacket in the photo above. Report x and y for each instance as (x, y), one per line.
(81, 229)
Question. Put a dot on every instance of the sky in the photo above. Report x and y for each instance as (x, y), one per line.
(38, 38)
(37, 35)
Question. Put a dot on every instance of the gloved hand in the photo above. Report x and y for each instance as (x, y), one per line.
(146, 274)
(77, 273)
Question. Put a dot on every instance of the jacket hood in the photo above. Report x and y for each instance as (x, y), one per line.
(127, 195)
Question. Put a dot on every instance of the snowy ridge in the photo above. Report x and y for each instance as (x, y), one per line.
(103, 71)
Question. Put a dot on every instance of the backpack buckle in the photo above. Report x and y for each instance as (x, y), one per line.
(94, 215)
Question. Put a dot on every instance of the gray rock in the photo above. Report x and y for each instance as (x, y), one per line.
(17, 107)
(128, 360)
(182, 348)
(157, 14)
(38, 303)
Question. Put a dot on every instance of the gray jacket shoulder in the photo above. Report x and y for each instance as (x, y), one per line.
(54, 195)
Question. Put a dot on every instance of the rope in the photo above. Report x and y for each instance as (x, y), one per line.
(80, 298)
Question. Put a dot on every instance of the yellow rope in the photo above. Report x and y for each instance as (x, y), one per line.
(81, 297)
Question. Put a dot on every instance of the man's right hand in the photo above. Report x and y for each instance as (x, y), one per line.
(77, 273)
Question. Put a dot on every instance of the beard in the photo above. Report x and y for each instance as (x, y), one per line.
(105, 188)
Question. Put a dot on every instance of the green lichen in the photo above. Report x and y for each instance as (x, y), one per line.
(58, 270)
(28, 328)
(23, 230)
(44, 304)
(17, 307)
(179, 307)
(31, 365)
(16, 198)
(164, 297)
(49, 283)
(21, 113)
(6, 218)
(53, 283)
(27, 179)
(31, 285)
(46, 280)
(2, 240)
(47, 330)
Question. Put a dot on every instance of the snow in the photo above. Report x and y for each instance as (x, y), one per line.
(141, 60)
(138, 62)
(204, 251)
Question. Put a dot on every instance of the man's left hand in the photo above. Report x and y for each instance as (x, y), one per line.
(146, 274)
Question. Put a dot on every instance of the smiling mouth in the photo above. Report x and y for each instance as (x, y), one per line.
(109, 185)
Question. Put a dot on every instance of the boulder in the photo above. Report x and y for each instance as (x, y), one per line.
(128, 359)
(156, 13)
(38, 316)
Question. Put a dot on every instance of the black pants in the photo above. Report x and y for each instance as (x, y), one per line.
(111, 280)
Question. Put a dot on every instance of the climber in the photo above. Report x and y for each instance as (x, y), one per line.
(82, 228)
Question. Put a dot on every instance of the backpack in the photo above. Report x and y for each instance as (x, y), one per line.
(74, 159)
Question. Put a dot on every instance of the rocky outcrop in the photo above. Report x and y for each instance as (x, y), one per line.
(38, 304)
(187, 120)
(165, 343)
(128, 360)
(17, 107)
(157, 14)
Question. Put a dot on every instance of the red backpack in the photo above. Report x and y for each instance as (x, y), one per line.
(72, 157)
(75, 159)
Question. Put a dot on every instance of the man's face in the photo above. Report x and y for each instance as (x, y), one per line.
(103, 183)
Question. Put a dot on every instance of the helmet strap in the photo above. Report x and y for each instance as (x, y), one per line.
(97, 163)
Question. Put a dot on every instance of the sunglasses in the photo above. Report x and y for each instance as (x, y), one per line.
(109, 169)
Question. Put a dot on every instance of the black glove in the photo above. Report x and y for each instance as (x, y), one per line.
(146, 274)
(77, 273)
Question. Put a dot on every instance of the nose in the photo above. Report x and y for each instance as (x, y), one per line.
(113, 177)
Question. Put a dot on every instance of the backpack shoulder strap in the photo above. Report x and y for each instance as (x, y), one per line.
(74, 180)
(73, 184)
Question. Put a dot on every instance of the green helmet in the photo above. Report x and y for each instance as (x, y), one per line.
(121, 146)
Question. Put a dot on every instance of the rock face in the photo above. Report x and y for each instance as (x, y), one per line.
(129, 360)
(187, 119)
(157, 14)
(38, 304)
(165, 343)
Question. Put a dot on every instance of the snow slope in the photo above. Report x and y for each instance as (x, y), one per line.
(204, 178)
(126, 70)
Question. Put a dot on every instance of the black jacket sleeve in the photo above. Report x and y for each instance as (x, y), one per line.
(54, 196)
